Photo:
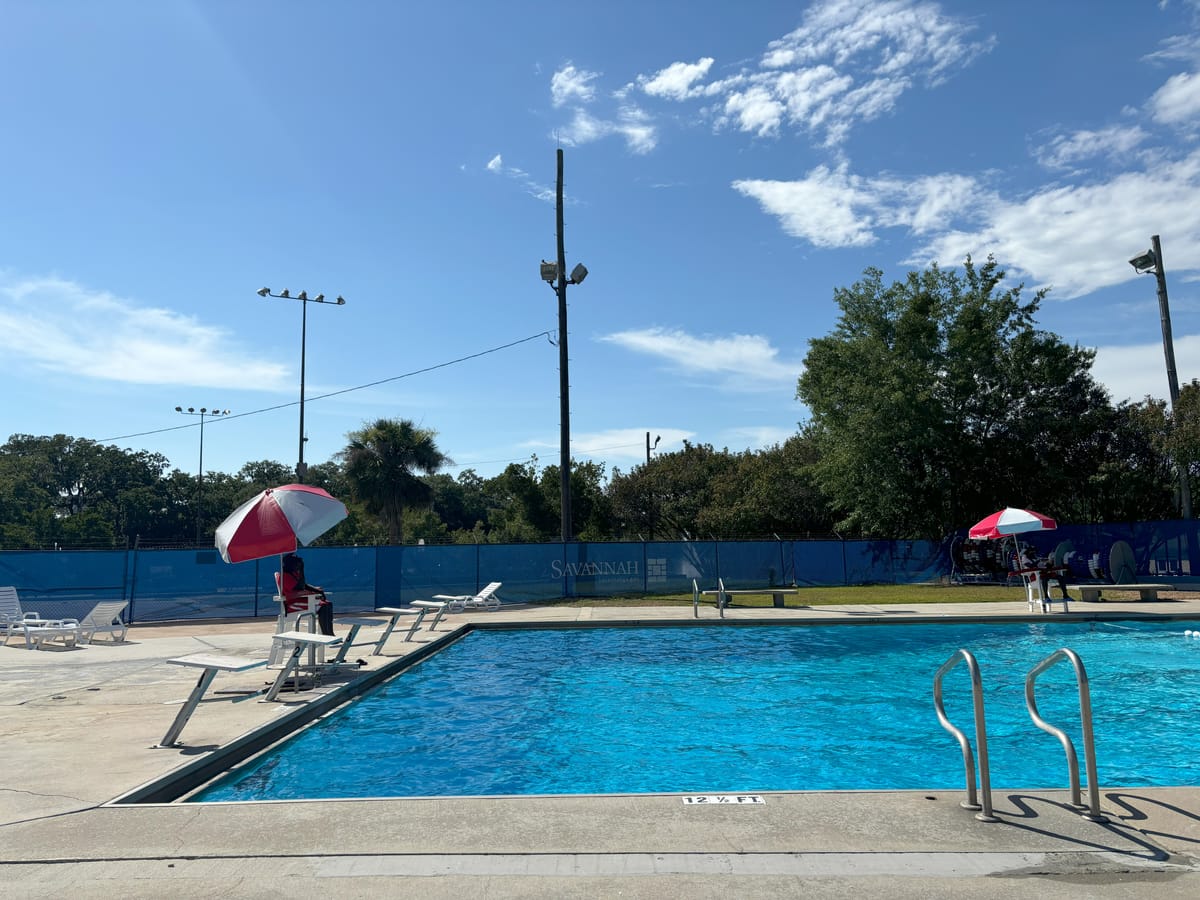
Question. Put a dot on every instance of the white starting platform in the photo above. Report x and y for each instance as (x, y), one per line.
(1091, 593)
(298, 640)
(211, 664)
(395, 612)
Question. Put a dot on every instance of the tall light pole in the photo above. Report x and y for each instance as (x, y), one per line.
(657, 438)
(201, 412)
(304, 299)
(552, 272)
(1151, 261)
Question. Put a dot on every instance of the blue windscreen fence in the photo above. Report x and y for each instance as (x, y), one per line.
(166, 585)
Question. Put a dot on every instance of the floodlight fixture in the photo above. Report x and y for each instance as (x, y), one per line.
(578, 274)
(549, 272)
(1145, 262)
(304, 299)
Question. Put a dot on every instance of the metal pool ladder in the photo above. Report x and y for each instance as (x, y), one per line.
(985, 781)
(1092, 810)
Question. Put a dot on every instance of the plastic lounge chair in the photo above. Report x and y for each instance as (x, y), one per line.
(105, 618)
(12, 618)
(485, 599)
(39, 632)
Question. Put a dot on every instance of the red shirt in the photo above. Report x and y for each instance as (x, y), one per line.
(295, 593)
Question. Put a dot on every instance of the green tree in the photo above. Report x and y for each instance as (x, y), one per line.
(462, 502)
(937, 400)
(668, 496)
(591, 513)
(381, 463)
(522, 510)
(766, 493)
(1132, 479)
(1182, 443)
(86, 493)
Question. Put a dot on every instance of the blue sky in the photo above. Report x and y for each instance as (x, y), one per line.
(727, 166)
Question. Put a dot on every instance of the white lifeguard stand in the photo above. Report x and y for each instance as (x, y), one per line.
(1037, 592)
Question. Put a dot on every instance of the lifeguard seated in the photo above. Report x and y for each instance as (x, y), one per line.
(1046, 571)
(296, 593)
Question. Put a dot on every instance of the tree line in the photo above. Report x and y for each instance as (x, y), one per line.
(934, 401)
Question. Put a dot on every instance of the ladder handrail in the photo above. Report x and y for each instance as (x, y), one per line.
(695, 599)
(985, 779)
(1092, 812)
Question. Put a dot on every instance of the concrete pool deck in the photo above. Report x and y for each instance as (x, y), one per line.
(79, 729)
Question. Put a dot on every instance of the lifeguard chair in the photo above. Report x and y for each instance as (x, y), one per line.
(1037, 592)
(301, 620)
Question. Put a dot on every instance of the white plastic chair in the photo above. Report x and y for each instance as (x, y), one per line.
(105, 618)
(12, 619)
(485, 599)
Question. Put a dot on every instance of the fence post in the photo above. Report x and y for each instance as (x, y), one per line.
(137, 539)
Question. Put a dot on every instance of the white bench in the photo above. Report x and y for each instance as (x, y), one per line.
(211, 664)
(1090, 593)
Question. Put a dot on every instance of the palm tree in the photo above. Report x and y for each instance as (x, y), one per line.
(381, 460)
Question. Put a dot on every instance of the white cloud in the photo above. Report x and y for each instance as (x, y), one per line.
(59, 326)
(849, 62)
(755, 110)
(631, 123)
(756, 437)
(1066, 150)
(569, 84)
(627, 443)
(833, 208)
(1078, 238)
(1135, 372)
(676, 81)
(532, 187)
(739, 361)
(1178, 101)
(1074, 238)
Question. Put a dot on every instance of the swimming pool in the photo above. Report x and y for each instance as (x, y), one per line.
(743, 709)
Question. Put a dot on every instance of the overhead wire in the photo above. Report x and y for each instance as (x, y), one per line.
(265, 409)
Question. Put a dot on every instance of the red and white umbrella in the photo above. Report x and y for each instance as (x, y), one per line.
(1010, 521)
(276, 521)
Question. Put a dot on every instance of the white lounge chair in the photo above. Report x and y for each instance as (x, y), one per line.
(105, 618)
(485, 599)
(12, 617)
(40, 632)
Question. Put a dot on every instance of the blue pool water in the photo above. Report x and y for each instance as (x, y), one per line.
(716, 710)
